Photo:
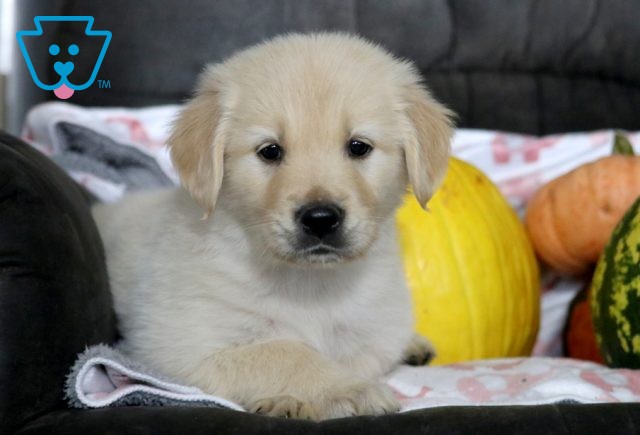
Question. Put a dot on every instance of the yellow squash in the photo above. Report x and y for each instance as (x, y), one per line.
(471, 270)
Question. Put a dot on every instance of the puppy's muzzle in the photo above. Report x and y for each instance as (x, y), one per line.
(320, 220)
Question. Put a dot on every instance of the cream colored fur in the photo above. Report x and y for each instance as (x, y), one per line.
(225, 302)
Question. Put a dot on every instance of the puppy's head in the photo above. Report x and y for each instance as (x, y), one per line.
(309, 141)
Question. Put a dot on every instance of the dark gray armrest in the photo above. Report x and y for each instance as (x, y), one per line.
(54, 293)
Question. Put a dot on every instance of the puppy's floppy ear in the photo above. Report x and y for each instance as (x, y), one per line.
(428, 146)
(197, 144)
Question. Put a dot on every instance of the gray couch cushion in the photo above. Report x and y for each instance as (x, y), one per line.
(535, 66)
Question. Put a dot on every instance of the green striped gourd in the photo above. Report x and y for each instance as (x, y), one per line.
(616, 294)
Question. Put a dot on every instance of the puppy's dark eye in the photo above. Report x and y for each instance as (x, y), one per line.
(271, 153)
(358, 149)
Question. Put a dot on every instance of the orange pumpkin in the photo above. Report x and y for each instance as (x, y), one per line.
(579, 337)
(570, 219)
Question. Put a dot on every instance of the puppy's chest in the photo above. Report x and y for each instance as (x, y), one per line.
(334, 331)
(339, 316)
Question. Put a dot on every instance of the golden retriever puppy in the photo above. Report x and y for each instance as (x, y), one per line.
(289, 296)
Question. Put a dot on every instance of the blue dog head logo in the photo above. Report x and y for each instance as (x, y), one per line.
(61, 57)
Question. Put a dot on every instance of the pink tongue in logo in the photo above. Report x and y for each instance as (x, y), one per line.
(63, 92)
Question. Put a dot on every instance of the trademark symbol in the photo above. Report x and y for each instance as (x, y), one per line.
(104, 84)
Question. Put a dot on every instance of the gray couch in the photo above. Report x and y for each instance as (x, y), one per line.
(534, 66)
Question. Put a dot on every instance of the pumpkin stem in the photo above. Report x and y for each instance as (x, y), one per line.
(621, 145)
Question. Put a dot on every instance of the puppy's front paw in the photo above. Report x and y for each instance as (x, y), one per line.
(420, 351)
(363, 398)
(284, 406)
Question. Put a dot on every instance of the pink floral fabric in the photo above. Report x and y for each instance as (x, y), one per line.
(521, 164)
(515, 381)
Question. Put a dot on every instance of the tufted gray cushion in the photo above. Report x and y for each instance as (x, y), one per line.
(535, 66)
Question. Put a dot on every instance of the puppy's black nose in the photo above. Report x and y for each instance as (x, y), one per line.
(320, 220)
